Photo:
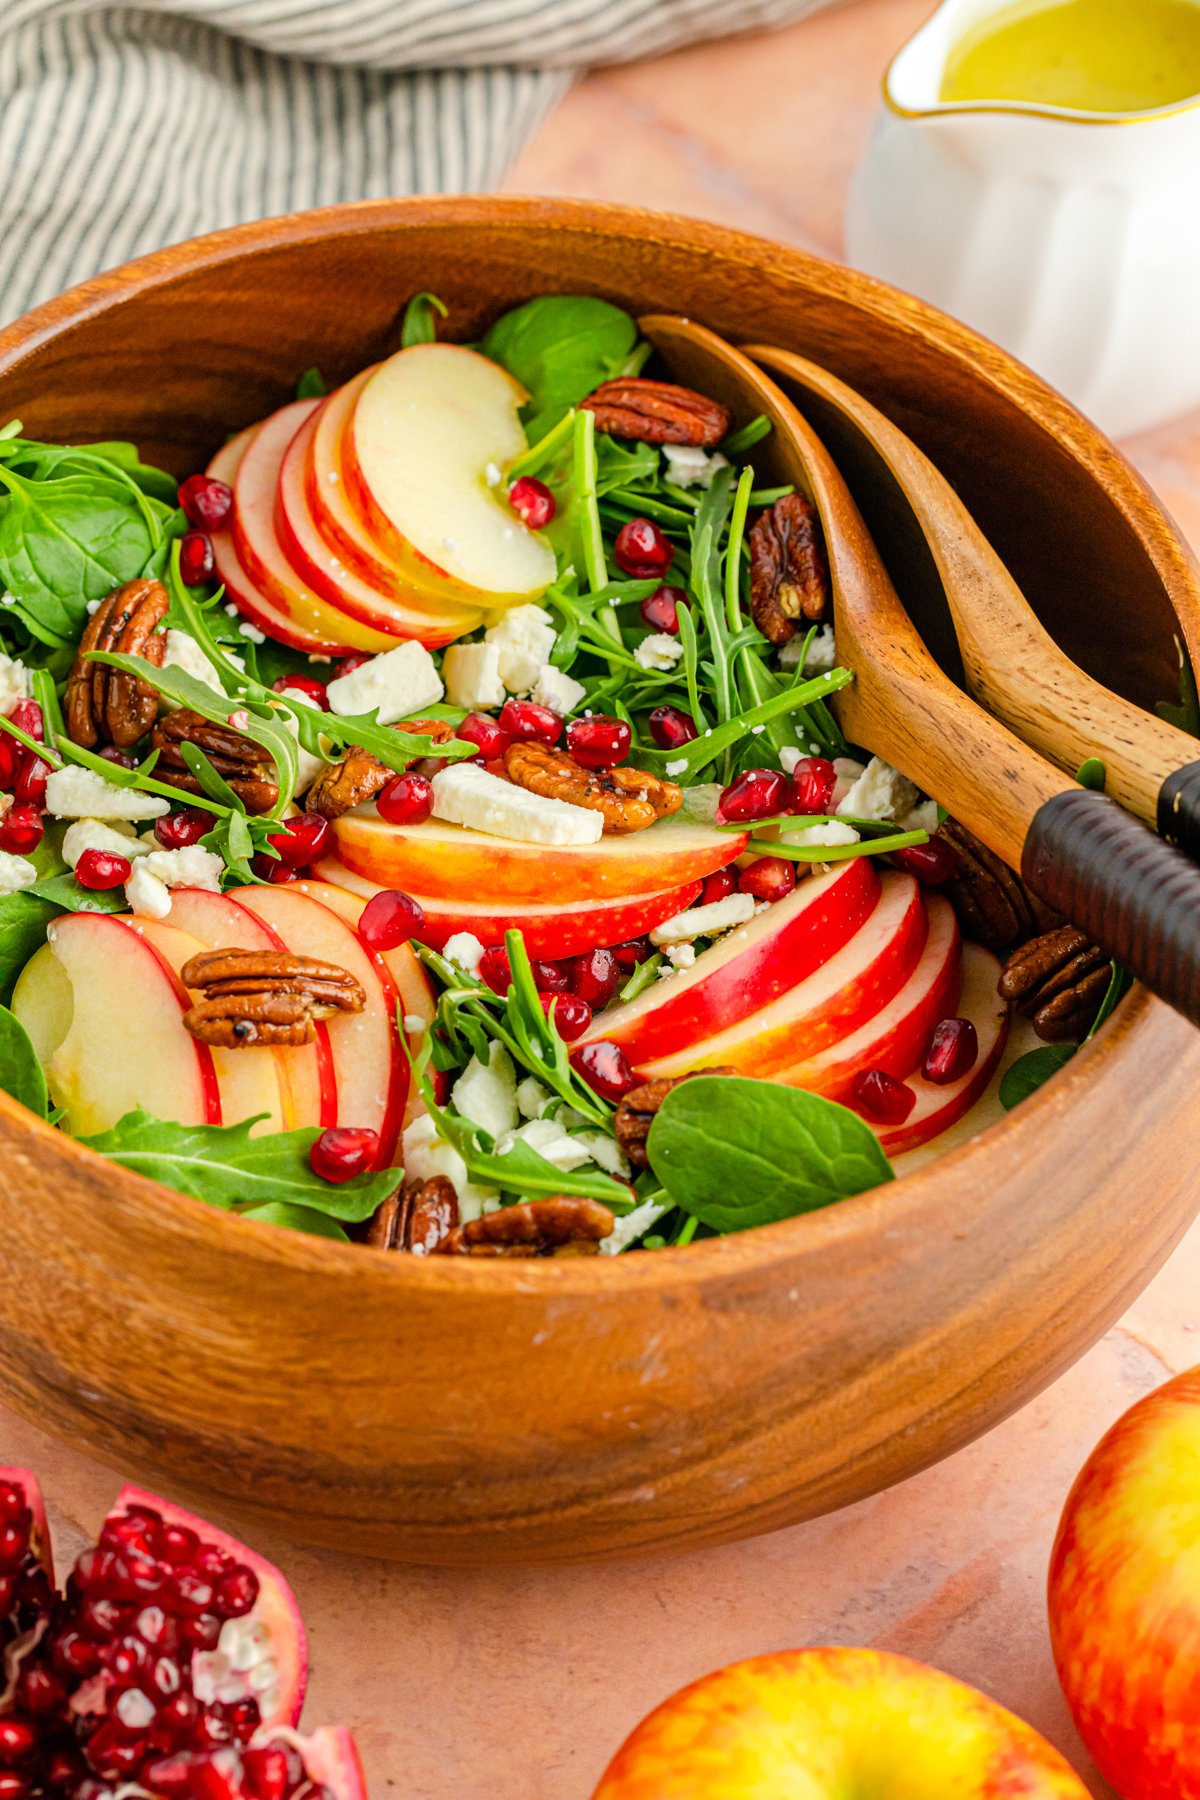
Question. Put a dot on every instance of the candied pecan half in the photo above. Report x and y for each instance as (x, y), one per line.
(360, 775)
(106, 706)
(628, 799)
(636, 1112)
(560, 1225)
(416, 1218)
(993, 905)
(1059, 981)
(657, 412)
(257, 997)
(789, 570)
(245, 765)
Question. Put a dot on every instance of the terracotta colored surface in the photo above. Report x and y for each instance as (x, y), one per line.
(463, 1684)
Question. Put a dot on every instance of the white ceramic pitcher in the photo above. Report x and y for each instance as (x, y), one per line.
(1071, 238)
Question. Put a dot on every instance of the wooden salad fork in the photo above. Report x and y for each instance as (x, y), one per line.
(1011, 663)
(1078, 850)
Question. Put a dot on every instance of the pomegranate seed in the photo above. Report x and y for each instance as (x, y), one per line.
(171, 1776)
(121, 758)
(196, 560)
(244, 1718)
(495, 969)
(599, 743)
(882, 1097)
(719, 886)
(9, 759)
(102, 869)
(568, 1013)
(953, 1052)
(129, 1532)
(126, 1659)
(201, 1633)
(478, 729)
(272, 870)
(343, 1152)
(15, 1534)
(207, 503)
(39, 1691)
(190, 1594)
(273, 1771)
(595, 976)
(236, 1593)
(14, 1787)
(671, 729)
(21, 828)
(390, 919)
(526, 722)
(102, 1618)
(758, 794)
(660, 609)
(26, 715)
(631, 954)
(770, 878)
(303, 839)
(813, 781)
(303, 684)
(17, 1740)
(642, 551)
(179, 1544)
(12, 1500)
(406, 800)
(550, 978)
(156, 1629)
(175, 831)
(532, 501)
(133, 1709)
(31, 778)
(178, 1715)
(605, 1068)
(931, 863)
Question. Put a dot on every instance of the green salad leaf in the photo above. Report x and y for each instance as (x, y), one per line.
(1032, 1071)
(297, 1218)
(420, 320)
(560, 347)
(20, 1071)
(23, 921)
(311, 385)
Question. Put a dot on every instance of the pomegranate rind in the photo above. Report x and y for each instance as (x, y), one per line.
(275, 1609)
(331, 1756)
(40, 1540)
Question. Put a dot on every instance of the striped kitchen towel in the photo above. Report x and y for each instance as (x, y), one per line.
(123, 127)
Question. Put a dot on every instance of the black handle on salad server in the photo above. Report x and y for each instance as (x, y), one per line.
(1179, 810)
(1137, 897)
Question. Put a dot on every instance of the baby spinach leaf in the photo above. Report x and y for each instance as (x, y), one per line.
(297, 1218)
(1032, 1071)
(20, 1071)
(155, 482)
(66, 542)
(23, 921)
(64, 894)
(420, 320)
(560, 347)
(737, 1153)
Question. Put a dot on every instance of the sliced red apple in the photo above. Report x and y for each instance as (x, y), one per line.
(746, 969)
(308, 1084)
(104, 1010)
(370, 1068)
(824, 1005)
(938, 1108)
(426, 428)
(452, 864)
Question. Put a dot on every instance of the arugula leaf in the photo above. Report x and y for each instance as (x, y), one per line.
(297, 1218)
(23, 920)
(224, 1166)
(420, 322)
(1032, 1071)
(736, 1153)
(20, 1071)
(560, 347)
(311, 385)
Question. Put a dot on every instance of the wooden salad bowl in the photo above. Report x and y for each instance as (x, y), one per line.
(461, 1412)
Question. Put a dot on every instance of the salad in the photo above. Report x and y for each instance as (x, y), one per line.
(428, 826)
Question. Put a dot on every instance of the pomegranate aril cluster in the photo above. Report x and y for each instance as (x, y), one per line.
(272, 1771)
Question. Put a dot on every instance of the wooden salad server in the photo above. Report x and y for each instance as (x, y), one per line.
(1010, 662)
(1137, 897)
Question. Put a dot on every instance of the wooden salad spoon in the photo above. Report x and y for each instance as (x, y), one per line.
(1134, 895)
(1011, 663)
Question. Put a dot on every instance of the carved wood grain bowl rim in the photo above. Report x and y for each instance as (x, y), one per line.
(999, 1309)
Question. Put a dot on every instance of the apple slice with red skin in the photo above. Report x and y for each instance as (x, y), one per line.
(452, 864)
(938, 1108)
(104, 1009)
(307, 1080)
(746, 969)
(370, 1067)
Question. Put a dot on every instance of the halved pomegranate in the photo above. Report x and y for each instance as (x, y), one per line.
(174, 1664)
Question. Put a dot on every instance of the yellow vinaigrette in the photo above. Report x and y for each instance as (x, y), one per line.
(1109, 56)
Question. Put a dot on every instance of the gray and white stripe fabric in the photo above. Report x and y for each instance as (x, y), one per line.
(123, 128)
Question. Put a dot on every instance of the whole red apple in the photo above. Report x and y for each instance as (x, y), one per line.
(1125, 1597)
(834, 1722)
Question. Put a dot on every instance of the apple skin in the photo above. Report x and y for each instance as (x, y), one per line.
(1124, 1597)
(824, 1724)
(937, 1107)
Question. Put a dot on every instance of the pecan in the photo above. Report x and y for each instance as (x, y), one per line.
(1058, 980)
(658, 412)
(360, 775)
(416, 1218)
(628, 799)
(992, 902)
(789, 570)
(254, 997)
(636, 1112)
(245, 765)
(533, 1228)
(106, 706)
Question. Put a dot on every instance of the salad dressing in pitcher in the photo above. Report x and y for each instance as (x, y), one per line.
(1099, 56)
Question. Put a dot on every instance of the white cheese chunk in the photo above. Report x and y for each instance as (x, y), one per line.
(185, 654)
(524, 639)
(16, 872)
(146, 894)
(192, 867)
(486, 1093)
(690, 466)
(394, 686)
(880, 792)
(847, 772)
(472, 675)
(465, 949)
(93, 834)
(681, 956)
(308, 766)
(74, 793)
(922, 818)
(551, 1142)
(604, 1151)
(836, 832)
(426, 1155)
(658, 651)
(704, 921)
(560, 692)
(822, 652)
(533, 1098)
(632, 1226)
(465, 794)
(14, 683)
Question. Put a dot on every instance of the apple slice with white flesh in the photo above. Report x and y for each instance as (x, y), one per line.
(308, 1085)
(824, 1005)
(425, 429)
(370, 1067)
(937, 1107)
(549, 930)
(104, 1011)
(744, 970)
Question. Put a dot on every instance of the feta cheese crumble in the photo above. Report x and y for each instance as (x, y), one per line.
(561, 693)
(393, 686)
(880, 792)
(192, 867)
(471, 673)
(689, 466)
(74, 793)
(524, 638)
(835, 832)
(94, 834)
(185, 654)
(486, 1093)
(704, 921)
(658, 651)
(16, 872)
(149, 897)
(14, 683)
(465, 794)
(425, 1154)
(465, 949)
(822, 652)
